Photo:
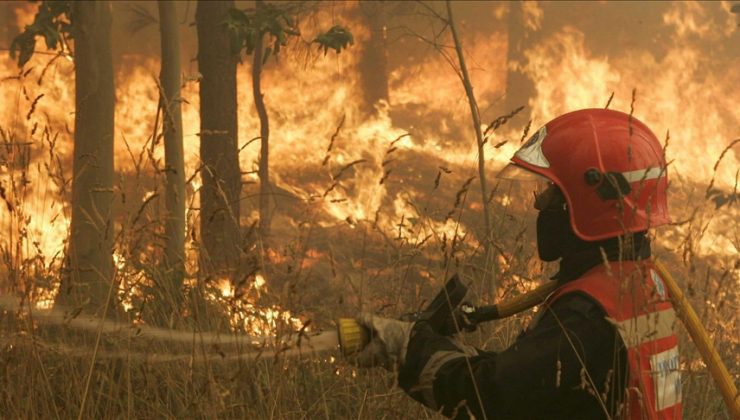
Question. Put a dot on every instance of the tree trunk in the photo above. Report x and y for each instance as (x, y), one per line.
(7, 23)
(519, 87)
(373, 63)
(264, 165)
(478, 136)
(170, 100)
(219, 195)
(89, 283)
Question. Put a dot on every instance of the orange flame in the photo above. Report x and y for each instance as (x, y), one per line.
(687, 91)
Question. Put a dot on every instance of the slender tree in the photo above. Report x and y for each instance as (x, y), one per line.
(173, 150)
(373, 64)
(259, 104)
(7, 26)
(519, 87)
(219, 195)
(262, 32)
(91, 238)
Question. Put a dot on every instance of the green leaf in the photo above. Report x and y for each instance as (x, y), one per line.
(50, 22)
(51, 36)
(24, 44)
(237, 24)
(249, 26)
(337, 38)
(266, 55)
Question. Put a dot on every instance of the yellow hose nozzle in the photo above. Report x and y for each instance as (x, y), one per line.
(353, 337)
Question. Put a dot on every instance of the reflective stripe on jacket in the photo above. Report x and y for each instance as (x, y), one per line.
(635, 300)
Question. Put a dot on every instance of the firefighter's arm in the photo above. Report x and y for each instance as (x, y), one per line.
(542, 371)
(388, 341)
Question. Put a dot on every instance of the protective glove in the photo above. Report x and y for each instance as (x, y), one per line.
(389, 339)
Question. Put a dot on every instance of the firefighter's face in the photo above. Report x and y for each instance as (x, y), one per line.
(549, 197)
(553, 225)
(554, 235)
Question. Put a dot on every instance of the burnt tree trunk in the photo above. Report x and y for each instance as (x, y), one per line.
(170, 101)
(8, 28)
(264, 164)
(219, 195)
(373, 63)
(519, 88)
(90, 266)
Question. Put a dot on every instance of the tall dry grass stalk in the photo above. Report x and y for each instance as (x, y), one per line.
(318, 273)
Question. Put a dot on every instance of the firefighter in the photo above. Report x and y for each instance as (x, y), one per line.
(603, 344)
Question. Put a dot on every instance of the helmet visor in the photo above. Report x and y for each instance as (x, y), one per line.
(547, 195)
(514, 172)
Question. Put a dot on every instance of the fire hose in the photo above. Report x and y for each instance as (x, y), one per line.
(702, 342)
(448, 315)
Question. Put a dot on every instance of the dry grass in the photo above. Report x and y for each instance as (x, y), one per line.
(318, 273)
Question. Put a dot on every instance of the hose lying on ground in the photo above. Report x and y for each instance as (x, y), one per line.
(348, 333)
(353, 337)
(250, 347)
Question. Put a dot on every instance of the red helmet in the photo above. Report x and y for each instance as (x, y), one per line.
(609, 166)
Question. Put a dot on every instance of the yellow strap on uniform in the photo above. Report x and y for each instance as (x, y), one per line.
(702, 342)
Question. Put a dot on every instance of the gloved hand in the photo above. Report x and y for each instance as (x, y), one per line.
(389, 339)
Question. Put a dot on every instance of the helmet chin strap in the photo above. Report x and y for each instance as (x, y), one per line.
(555, 238)
(557, 241)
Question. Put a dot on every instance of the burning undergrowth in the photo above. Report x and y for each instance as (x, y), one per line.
(373, 212)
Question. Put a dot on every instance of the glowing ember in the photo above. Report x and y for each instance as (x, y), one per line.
(259, 281)
(225, 286)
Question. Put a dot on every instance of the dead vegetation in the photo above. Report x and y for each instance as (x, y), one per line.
(318, 268)
(318, 273)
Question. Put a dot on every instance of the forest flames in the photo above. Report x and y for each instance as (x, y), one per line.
(248, 314)
(376, 196)
(353, 176)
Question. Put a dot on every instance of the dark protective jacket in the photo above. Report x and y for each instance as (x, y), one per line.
(636, 301)
(571, 363)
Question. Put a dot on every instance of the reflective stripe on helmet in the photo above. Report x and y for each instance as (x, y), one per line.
(531, 152)
(613, 147)
(643, 174)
